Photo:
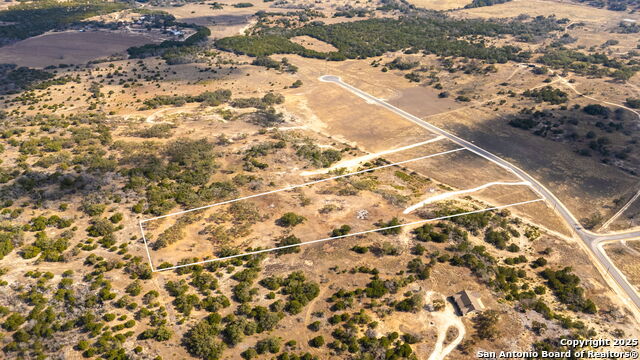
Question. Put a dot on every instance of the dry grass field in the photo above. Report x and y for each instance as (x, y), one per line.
(561, 9)
(313, 44)
(228, 21)
(440, 4)
(71, 47)
(476, 122)
(108, 144)
(625, 257)
(629, 219)
(343, 116)
(597, 23)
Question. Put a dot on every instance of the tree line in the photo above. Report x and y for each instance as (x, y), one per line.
(438, 35)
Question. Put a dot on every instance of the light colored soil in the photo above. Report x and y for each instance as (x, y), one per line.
(228, 21)
(313, 44)
(561, 9)
(71, 47)
(346, 117)
(7, 3)
(445, 320)
(440, 4)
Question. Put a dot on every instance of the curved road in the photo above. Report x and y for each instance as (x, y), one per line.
(592, 240)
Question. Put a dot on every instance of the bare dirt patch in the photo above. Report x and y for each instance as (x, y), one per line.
(440, 4)
(313, 44)
(8, 3)
(228, 21)
(547, 8)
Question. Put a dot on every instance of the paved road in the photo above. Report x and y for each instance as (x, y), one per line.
(592, 241)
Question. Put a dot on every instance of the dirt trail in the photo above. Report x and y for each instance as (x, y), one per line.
(455, 193)
(151, 119)
(351, 163)
(570, 86)
(515, 71)
(444, 320)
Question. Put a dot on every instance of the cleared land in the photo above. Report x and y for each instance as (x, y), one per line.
(440, 4)
(165, 138)
(224, 22)
(574, 12)
(313, 44)
(70, 47)
(382, 193)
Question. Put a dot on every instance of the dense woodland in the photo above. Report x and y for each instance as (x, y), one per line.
(480, 3)
(434, 35)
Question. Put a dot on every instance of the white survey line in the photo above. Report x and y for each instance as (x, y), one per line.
(455, 193)
(356, 161)
(146, 246)
(305, 184)
(348, 235)
(618, 283)
(543, 192)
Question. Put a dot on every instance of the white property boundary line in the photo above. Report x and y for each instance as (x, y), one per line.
(303, 185)
(347, 235)
(460, 192)
(356, 161)
(144, 238)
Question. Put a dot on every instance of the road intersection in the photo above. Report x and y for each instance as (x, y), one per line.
(593, 242)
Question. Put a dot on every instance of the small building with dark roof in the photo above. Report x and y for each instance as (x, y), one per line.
(467, 301)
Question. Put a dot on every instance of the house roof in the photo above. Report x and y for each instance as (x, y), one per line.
(468, 301)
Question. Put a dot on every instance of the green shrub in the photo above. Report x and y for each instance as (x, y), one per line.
(13, 322)
(633, 103)
(290, 220)
(317, 341)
